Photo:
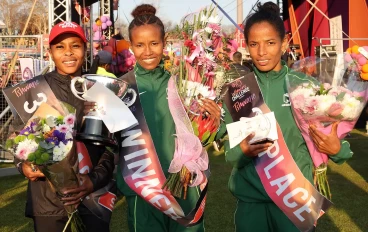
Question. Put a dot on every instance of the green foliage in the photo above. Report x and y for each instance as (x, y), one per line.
(9, 143)
(340, 97)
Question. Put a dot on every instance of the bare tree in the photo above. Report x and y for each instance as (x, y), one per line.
(14, 14)
(169, 25)
(9, 10)
(122, 28)
(39, 20)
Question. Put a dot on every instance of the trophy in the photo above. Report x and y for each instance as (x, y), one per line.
(93, 129)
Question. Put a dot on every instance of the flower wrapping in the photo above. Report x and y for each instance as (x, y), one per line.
(324, 97)
(198, 73)
(46, 142)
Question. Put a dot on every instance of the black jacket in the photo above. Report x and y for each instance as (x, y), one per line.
(41, 200)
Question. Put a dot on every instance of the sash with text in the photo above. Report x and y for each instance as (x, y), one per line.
(142, 170)
(279, 174)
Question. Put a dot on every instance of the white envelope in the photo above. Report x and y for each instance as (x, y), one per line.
(264, 126)
(111, 109)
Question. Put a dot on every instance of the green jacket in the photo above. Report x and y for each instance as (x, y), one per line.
(244, 182)
(152, 87)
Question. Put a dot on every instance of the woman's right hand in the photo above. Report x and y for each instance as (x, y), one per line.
(89, 107)
(253, 150)
(29, 172)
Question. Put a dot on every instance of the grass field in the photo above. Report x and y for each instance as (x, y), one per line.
(348, 183)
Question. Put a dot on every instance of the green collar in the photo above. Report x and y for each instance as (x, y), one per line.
(272, 75)
(157, 72)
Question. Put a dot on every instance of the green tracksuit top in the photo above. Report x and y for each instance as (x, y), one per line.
(244, 182)
(152, 85)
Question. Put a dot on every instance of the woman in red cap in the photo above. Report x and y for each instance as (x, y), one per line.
(67, 50)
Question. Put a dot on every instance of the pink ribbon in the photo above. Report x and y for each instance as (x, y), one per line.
(188, 149)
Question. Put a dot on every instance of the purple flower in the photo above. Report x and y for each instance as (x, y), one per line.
(59, 135)
(31, 129)
(53, 140)
(25, 131)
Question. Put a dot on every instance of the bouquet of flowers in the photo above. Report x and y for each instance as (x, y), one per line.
(46, 142)
(199, 72)
(332, 95)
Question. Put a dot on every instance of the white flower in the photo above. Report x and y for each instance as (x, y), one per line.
(214, 19)
(352, 107)
(324, 102)
(68, 135)
(193, 89)
(210, 56)
(25, 148)
(57, 153)
(68, 147)
(204, 19)
(50, 121)
(208, 30)
(306, 92)
(45, 128)
(61, 151)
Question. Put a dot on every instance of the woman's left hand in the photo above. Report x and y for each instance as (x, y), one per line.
(212, 110)
(80, 192)
(328, 144)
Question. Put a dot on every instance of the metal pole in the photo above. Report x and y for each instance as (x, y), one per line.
(239, 14)
(4, 112)
(227, 16)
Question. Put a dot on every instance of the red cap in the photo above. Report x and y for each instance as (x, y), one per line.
(67, 27)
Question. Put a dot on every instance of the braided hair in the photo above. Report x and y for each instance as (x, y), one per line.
(268, 12)
(145, 15)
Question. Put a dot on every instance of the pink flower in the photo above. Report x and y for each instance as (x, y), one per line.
(311, 102)
(334, 92)
(63, 128)
(356, 94)
(335, 109)
(309, 110)
(22, 154)
(298, 101)
(326, 86)
(215, 27)
(69, 120)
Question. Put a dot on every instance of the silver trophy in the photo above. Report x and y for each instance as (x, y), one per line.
(93, 129)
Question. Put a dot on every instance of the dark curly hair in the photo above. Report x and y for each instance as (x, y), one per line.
(268, 12)
(145, 14)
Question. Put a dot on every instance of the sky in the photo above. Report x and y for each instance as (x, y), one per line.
(174, 10)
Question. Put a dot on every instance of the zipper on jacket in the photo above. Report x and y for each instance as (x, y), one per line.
(268, 88)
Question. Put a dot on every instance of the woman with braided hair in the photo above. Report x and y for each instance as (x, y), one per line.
(146, 34)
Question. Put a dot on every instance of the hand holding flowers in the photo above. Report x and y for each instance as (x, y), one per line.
(325, 109)
(328, 144)
(192, 91)
(47, 141)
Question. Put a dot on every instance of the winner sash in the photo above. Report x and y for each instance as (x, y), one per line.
(279, 174)
(142, 170)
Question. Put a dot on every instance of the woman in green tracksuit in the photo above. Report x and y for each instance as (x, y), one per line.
(146, 33)
(265, 36)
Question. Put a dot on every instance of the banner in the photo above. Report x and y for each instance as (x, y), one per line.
(142, 170)
(336, 34)
(26, 66)
(27, 96)
(279, 174)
